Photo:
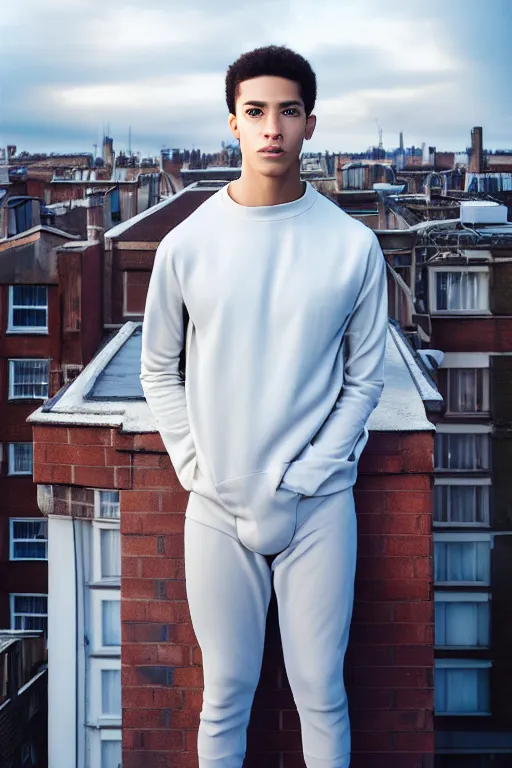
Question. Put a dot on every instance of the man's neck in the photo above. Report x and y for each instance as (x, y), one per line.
(255, 190)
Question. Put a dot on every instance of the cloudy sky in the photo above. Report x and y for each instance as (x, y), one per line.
(70, 68)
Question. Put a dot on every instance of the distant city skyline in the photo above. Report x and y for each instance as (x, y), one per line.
(432, 72)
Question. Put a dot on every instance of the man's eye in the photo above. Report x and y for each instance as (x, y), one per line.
(292, 109)
(253, 109)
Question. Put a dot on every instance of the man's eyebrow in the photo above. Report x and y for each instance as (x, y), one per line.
(282, 104)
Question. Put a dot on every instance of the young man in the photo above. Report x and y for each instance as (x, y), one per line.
(287, 301)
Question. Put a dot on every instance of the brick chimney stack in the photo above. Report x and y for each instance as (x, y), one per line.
(476, 159)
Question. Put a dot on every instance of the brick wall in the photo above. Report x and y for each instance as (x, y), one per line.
(389, 669)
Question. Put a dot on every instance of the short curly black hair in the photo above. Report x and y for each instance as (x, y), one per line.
(274, 60)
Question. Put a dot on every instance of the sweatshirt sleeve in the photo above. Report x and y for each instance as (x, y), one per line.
(163, 337)
(331, 457)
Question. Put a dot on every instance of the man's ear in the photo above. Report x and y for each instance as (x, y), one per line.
(233, 125)
(310, 126)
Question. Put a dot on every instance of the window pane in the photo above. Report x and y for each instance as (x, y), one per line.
(461, 690)
(109, 504)
(462, 624)
(111, 622)
(111, 692)
(110, 553)
(21, 458)
(110, 754)
(465, 390)
(467, 561)
(461, 290)
(30, 306)
(464, 451)
(30, 378)
(461, 504)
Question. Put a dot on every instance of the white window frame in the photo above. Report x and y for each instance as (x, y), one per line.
(465, 429)
(97, 527)
(37, 520)
(97, 504)
(125, 297)
(433, 272)
(462, 664)
(96, 739)
(26, 329)
(10, 467)
(465, 537)
(485, 393)
(14, 360)
(464, 597)
(99, 595)
(458, 481)
(96, 666)
(14, 595)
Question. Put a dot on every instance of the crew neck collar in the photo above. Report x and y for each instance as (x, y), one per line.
(270, 212)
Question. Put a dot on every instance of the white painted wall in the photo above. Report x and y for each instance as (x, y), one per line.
(62, 660)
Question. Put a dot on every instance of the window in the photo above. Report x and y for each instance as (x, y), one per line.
(462, 558)
(461, 687)
(110, 753)
(28, 379)
(106, 620)
(468, 390)
(462, 619)
(106, 551)
(20, 459)
(29, 612)
(461, 451)
(28, 308)
(461, 502)
(107, 504)
(105, 682)
(111, 692)
(29, 540)
(460, 290)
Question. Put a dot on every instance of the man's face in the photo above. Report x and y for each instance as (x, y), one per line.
(270, 111)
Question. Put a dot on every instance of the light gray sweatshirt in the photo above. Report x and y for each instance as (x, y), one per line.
(285, 356)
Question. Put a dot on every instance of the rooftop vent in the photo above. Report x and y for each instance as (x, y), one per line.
(482, 212)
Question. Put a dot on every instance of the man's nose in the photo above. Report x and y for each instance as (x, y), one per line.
(272, 126)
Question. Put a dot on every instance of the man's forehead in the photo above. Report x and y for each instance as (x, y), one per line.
(270, 89)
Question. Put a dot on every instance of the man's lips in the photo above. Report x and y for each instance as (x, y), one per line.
(272, 150)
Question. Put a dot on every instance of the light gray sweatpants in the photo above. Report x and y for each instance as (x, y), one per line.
(229, 589)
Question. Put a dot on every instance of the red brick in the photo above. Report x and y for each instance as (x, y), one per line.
(412, 503)
(90, 436)
(142, 632)
(52, 473)
(184, 633)
(392, 522)
(188, 677)
(151, 460)
(392, 720)
(421, 612)
(145, 718)
(175, 590)
(136, 758)
(378, 656)
(115, 458)
(396, 483)
(139, 589)
(130, 566)
(415, 699)
(419, 456)
(175, 655)
(39, 453)
(162, 523)
(94, 477)
(122, 478)
(384, 443)
(175, 545)
(149, 442)
(50, 434)
(381, 464)
(423, 567)
(369, 502)
(122, 441)
(414, 656)
(382, 760)
(139, 501)
(167, 611)
(407, 546)
(162, 568)
(172, 698)
(131, 522)
(393, 677)
(138, 545)
(134, 697)
(139, 653)
(395, 589)
(369, 568)
(422, 741)
(174, 502)
(133, 610)
(89, 455)
(381, 698)
(155, 478)
(370, 611)
(369, 741)
(393, 634)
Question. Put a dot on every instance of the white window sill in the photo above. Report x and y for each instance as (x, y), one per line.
(27, 332)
